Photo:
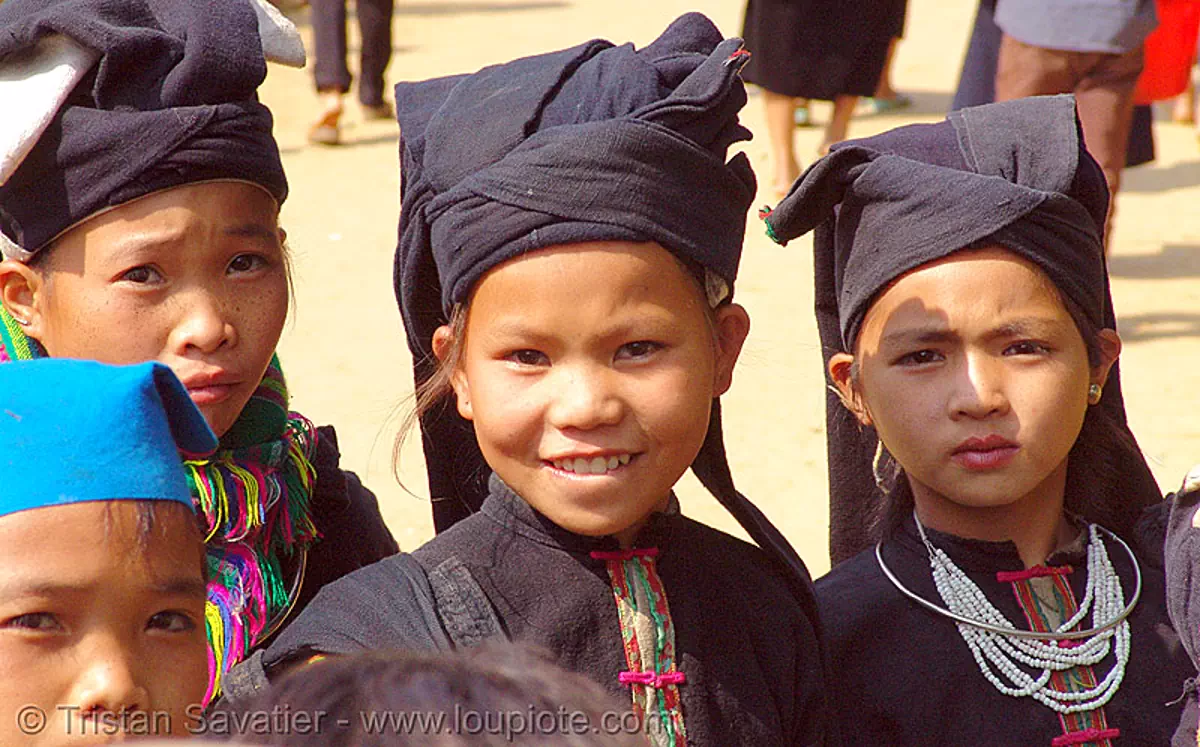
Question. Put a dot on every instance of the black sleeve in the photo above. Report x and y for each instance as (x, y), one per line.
(816, 726)
(387, 605)
(1150, 533)
(1182, 552)
(353, 533)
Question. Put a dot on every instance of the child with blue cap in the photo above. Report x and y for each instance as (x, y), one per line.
(102, 580)
(140, 194)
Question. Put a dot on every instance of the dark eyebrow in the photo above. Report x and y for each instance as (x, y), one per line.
(183, 587)
(189, 587)
(1022, 327)
(919, 335)
(254, 231)
(510, 328)
(1025, 327)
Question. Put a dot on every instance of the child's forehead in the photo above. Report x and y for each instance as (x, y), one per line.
(975, 282)
(171, 216)
(78, 544)
(980, 263)
(598, 265)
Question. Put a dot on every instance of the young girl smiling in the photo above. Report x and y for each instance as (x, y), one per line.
(140, 190)
(964, 307)
(566, 280)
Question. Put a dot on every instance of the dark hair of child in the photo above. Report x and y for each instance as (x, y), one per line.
(493, 695)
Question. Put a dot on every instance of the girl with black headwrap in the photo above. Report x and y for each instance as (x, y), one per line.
(968, 332)
(570, 233)
(140, 188)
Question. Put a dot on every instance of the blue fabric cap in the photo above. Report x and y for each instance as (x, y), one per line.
(74, 431)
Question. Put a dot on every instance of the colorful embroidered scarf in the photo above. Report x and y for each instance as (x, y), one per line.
(254, 494)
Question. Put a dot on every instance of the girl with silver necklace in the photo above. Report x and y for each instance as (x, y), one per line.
(964, 309)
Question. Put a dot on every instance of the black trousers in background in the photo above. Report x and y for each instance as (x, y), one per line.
(329, 36)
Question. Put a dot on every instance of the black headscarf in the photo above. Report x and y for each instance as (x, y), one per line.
(593, 143)
(171, 101)
(1014, 174)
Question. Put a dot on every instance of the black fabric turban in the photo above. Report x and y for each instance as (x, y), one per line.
(593, 143)
(1013, 174)
(172, 101)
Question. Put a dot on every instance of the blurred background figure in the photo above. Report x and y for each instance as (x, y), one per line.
(815, 49)
(332, 74)
(977, 84)
(1091, 48)
(886, 97)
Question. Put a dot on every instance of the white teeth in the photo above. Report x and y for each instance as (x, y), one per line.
(594, 466)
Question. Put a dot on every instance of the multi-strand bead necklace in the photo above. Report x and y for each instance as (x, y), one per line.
(1021, 663)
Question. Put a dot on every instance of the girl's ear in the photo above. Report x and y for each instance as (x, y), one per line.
(841, 372)
(21, 294)
(444, 344)
(1109, 343)
(733, 325)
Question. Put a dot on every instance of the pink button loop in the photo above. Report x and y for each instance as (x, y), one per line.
(1038, 571)
(648, 552)
(652, 679)
(737, 55)
(1085, 736)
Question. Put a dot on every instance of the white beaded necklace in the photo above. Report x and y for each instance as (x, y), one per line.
(1000, 648)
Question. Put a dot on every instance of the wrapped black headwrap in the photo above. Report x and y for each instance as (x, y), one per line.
(171, 101)
(1013, 174)
(593, 143)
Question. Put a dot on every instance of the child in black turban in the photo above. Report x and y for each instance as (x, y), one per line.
(968, 332)
(570, 234)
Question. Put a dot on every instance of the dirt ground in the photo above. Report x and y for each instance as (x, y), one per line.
(344, 351)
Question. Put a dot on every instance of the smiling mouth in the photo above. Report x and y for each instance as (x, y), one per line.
(598, 465)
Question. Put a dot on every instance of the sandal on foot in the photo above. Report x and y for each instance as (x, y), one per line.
(883, 106)
(326, 130)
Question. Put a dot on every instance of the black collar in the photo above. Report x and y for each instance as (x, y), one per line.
(511, 511)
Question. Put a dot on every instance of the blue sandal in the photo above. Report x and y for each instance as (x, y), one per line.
(883, 106)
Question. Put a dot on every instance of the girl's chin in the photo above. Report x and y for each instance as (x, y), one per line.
(221, 417)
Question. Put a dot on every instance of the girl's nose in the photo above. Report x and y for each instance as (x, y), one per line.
(202, 326)
(584, 399)
(980, 390)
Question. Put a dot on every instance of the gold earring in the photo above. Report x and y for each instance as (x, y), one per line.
(1094, 392)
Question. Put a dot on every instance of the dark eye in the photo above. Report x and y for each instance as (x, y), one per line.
(42, 622)
(171, 621)
(919, 358)
(243, 263)
(142, 275)
(1026, 347)
(528, 357)
(639, 349)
